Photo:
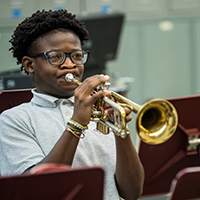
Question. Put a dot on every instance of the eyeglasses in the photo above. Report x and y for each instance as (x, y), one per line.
(58, 57)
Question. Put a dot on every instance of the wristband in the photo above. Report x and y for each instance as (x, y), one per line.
(73, 129)
(79, 135)
(76, 124)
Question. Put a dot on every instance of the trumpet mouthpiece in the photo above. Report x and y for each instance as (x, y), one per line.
(69, 77)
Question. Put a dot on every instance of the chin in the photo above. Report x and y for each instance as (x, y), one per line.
(63, 95)
(67, 91)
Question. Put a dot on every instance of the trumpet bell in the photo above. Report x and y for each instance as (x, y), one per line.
(156, 121)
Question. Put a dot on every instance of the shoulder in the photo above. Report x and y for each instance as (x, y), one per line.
(16, 115)
(16, 109)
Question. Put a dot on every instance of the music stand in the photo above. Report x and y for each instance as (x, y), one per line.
(163, 161)
(186, 184)
(11, 98)
(74, 184)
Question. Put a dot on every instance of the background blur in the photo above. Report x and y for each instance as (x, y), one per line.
(159, 48)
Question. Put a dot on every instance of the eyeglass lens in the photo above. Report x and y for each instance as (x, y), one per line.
(77, 57)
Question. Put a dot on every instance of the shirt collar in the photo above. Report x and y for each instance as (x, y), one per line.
(45, 100)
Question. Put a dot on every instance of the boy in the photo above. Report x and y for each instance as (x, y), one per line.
(50, 128)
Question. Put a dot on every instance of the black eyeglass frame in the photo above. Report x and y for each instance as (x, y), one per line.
(66, 55)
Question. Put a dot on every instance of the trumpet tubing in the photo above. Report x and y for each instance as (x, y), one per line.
(156, 120)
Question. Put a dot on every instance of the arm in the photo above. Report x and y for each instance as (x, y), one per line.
(63, 151)
(129, 171)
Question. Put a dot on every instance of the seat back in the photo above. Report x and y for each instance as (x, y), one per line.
(186, 184)
(60, 184)
(11, 98)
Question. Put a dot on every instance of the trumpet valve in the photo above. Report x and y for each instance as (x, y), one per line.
(104, 86)
(102, 127)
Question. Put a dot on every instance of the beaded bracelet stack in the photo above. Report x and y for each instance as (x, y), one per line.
(76, 124)
(79, 132)
(75, 132)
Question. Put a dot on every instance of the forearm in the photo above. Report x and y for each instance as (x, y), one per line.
(63, 151)
(129, 171)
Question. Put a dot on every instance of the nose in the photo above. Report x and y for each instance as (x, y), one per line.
(68, 63)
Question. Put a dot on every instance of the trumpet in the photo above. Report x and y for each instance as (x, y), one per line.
(156, 120)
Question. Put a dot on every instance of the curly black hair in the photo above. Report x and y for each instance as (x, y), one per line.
(40, 23)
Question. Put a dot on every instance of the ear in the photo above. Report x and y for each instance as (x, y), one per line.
(28, 64)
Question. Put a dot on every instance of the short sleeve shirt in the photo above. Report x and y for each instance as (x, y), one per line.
(29, 131)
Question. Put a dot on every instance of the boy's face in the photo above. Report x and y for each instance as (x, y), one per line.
(50, 79)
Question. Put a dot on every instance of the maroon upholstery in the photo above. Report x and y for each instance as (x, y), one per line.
(186, 184)
(11, 98)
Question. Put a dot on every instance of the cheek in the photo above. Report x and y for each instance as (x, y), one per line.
(81, 70)
(43, 74)
(43, 68)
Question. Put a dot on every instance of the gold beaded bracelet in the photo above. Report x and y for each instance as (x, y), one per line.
(79, 135)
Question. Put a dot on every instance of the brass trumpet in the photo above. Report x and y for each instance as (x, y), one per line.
(156, 120)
